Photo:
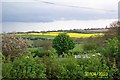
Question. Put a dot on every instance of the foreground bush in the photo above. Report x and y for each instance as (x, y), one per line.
(112, 54)
(24, 67)
(53, 67)
(71, 68)
(13, 46)
(111, 49)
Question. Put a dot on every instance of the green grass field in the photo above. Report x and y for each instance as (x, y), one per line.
(78, 47)
(32, 49)
(30, 41)
(40, 36)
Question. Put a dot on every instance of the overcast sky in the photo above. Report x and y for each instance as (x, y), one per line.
(52, 14)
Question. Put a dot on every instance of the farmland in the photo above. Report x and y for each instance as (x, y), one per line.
(53, 34)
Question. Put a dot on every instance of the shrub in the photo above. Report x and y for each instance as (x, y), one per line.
(72, 68)
(13, 46)
(112, 54)
(24, 67)
(111, 49)
(62, 69)
(63, 43)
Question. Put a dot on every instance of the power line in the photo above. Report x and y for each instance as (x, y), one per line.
(73, 6)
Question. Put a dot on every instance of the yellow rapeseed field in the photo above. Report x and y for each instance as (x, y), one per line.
(76, 35)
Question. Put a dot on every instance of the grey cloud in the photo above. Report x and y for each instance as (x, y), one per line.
(39, 12)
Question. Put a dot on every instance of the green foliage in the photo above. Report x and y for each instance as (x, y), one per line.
(24, 67)
(72, 68)
(54, 67)
(97, 64)
(39, 53)
(111, 49)
(111, 53)
(118, 36)
(63, 43)
(62, 69)
(13, 46)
